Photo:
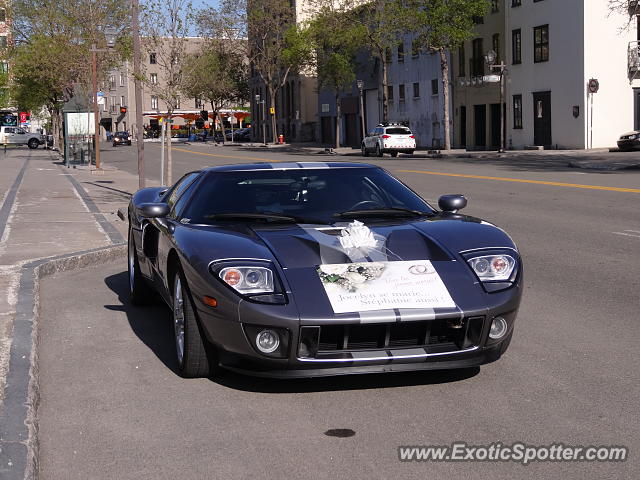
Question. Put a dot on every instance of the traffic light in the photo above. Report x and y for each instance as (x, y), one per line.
(204, 114)
(123, 109)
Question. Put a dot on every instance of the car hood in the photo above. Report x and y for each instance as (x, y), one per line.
(299, 250)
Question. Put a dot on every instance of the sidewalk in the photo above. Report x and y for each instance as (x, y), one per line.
(48, 210)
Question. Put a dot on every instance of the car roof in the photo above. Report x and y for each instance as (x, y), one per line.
(287, 166)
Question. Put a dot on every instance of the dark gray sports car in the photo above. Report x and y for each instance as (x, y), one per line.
(307, 269)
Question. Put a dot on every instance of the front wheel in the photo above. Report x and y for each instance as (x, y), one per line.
(394, 154)
(191, 346)
(33, 144)
(139, 291)
(365, 152)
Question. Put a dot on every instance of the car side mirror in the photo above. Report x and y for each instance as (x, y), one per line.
(153, 210)
(452, 203)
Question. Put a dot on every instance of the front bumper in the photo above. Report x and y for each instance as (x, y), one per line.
(628, 144)
(440, 343)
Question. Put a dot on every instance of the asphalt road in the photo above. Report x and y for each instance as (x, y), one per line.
(113, 406)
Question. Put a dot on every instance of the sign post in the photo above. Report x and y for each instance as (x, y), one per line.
(592, 88)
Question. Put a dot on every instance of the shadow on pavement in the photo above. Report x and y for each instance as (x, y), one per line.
(152, 325)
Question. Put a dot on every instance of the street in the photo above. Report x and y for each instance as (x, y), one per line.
(112, 405)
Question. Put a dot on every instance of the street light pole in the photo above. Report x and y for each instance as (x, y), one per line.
(360, 84)
(110, 36)
(135, 32)
(261, 104)
(96, 119)
(490, 58)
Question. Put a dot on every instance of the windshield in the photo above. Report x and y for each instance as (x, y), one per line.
(398, 131)
(308, 195)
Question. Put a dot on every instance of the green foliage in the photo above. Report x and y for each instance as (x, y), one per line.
(445, 23)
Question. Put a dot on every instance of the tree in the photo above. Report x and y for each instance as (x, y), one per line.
(52, 55)
(382, 24)
(441, 26)
(219, 74)
(276, 48)
(332, 40)
(166, 27)
(218, 78)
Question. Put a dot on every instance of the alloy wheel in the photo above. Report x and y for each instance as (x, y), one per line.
(178, 319)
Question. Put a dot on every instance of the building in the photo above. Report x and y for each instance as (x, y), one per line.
(551, 49)
(118, 106)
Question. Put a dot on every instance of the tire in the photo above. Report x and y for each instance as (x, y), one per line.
(33, 144)
(378, 151)
(365, 152)
(140, 293)
(394, 154)
(192, 350)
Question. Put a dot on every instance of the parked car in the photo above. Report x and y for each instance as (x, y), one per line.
(121, 138)
(308, 269)
(629, 141)
(19, 136)
(389, 138)
(242, 135)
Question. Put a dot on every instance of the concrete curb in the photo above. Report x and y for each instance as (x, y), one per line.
(18, 422)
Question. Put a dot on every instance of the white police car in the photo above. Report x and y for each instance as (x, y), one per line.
(389, 138)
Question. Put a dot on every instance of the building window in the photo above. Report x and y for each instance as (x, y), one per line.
(517, 111)
(4, 67)
(541, 44)
(434, 86)
(113, 103)
(516, 3)
(495, 40)
(3, 41)
(390, 93)
(152, 58)
(495, 7)
(3, 14)
(153, 78)
(416, 90)
(401, 52)
(122, 79)
(478, 20)
(415, 48)
(516, 44)
(477, 62)
(122, 101)
(401, 92)
(112, 82)
(198, 103)
(154, 102)
(461, 61)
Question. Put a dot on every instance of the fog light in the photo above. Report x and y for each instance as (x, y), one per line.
(498, 328)
(267, 341)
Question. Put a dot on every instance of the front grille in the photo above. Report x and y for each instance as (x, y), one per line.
(436, 335)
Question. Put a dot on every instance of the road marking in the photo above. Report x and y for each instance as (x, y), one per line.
(521, 180)
(627, 234)
(257, 159)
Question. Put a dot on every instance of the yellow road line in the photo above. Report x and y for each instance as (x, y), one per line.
(520, 180)
(257, 159)
(444, 174)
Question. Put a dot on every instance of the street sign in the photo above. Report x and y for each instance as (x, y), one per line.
(233, 120)
(272, 110)
(593, 85)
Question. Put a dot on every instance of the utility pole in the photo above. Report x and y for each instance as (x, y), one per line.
(135, 30)
(360, 84)
(96, 118)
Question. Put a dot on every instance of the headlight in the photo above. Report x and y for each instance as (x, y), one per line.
(493, 267)
(248, 280)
